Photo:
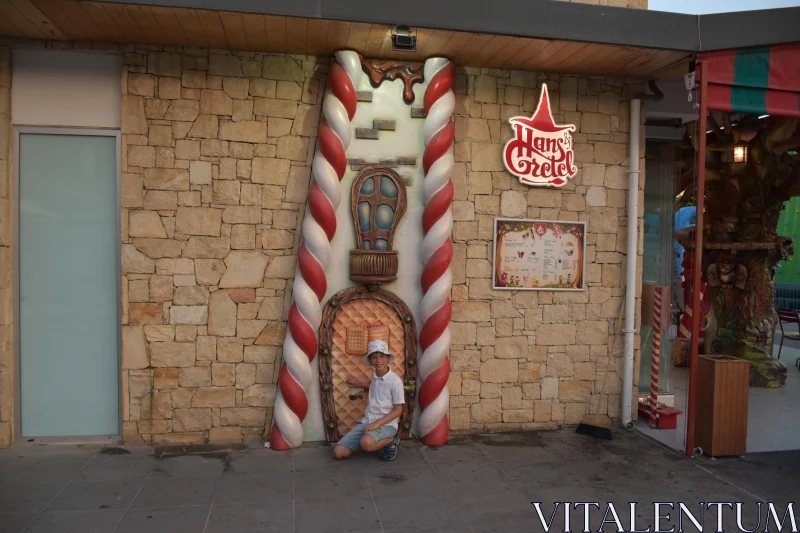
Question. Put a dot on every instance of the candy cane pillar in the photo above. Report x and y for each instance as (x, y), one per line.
(314, 255)
(437, 250)
(655, 363)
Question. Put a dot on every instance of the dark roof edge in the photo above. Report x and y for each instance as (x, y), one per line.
(543, 19)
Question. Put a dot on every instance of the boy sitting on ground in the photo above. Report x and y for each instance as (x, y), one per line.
(378, 428)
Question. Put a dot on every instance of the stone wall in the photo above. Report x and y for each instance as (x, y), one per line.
(534, 359)
(216, 155)
(6, 239)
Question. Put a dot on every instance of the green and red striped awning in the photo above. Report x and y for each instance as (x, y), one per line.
(762, 81)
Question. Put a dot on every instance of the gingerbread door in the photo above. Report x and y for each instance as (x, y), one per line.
(350, 320)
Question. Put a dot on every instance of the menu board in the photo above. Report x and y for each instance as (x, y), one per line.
(539, 255)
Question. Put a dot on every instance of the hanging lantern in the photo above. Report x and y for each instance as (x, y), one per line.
(740, 153)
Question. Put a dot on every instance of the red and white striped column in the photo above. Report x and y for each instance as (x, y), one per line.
(314, 255)
(437, 250)
(661, 295)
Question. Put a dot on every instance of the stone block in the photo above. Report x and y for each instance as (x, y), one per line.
(486, 411)
(518, 415)
(487, 157)
(260, 354)
(134, 348)
(172, 354)
(465, 360)
(243, 416)
(215, 102)
(214, 397)
(194, 377)
(159, 333)
(162, 401)
(198, 221)
(230, 350)
(574, 391)
(485, 89)
(250, 131)
(459, 418)
(272, 335)
(259, 395)
(593, 332)
(205, 127)
(221, 315)
(499, 371)
(542, 410)
(512, 347)
(193, 315)
(183, 110)
(556, 335)
(144, 313)
(270, 171)
(513, 204)
(549, 388)
(223, 374)
(609, 153)
(168, 179)
(471, 312)
(191, 419)
(145, 224)
(225, 435)
(530, 372)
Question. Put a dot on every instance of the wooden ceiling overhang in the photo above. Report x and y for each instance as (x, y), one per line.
(136, 23)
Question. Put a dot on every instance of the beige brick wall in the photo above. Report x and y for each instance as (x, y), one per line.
(216, 155)
(534, 359)
(6, 239)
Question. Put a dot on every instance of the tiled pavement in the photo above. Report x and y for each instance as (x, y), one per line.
(474, 484)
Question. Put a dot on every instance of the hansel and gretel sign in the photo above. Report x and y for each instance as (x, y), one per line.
(541, 152)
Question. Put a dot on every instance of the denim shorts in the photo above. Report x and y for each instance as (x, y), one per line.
(353, 439)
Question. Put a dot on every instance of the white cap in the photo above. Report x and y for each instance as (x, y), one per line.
(379, 346)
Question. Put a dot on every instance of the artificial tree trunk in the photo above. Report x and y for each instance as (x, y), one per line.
(741, 248)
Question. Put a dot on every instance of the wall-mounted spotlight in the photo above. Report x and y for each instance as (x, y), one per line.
(404, 39)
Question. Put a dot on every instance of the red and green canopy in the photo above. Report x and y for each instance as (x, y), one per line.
(762, 81)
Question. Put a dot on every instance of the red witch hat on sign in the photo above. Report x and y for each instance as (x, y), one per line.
(542, 120)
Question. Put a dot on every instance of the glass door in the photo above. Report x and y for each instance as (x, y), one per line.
(658, 263)
(68, 284)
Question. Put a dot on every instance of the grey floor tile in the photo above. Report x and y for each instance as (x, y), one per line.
(134, 465)
(329, 486)
(453, 454)
(272, 517)
(259, 462)
(199, 465)
(15, 523)
(315, 458)
(30, 465)
(76, 522)
(354, 515)
(95, 495)
(399, 482)
(170, 492)
(471, 479)
(497, 507)
(419, 512)
(409, 456)
(27, 496)
(254, 488)
(164, 520)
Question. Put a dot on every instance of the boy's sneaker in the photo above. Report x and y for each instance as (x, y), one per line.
(390, 450)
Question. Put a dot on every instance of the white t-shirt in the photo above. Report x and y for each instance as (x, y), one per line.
(384, 393)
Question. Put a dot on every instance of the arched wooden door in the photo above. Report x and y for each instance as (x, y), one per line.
(350, 320)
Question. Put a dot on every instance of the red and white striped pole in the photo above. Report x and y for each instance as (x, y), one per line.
(658, 300)
(314, 255)
(437, 251)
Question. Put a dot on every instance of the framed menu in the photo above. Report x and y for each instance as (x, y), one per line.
(539, 255)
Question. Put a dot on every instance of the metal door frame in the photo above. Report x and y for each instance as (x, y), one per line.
(15, 197)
